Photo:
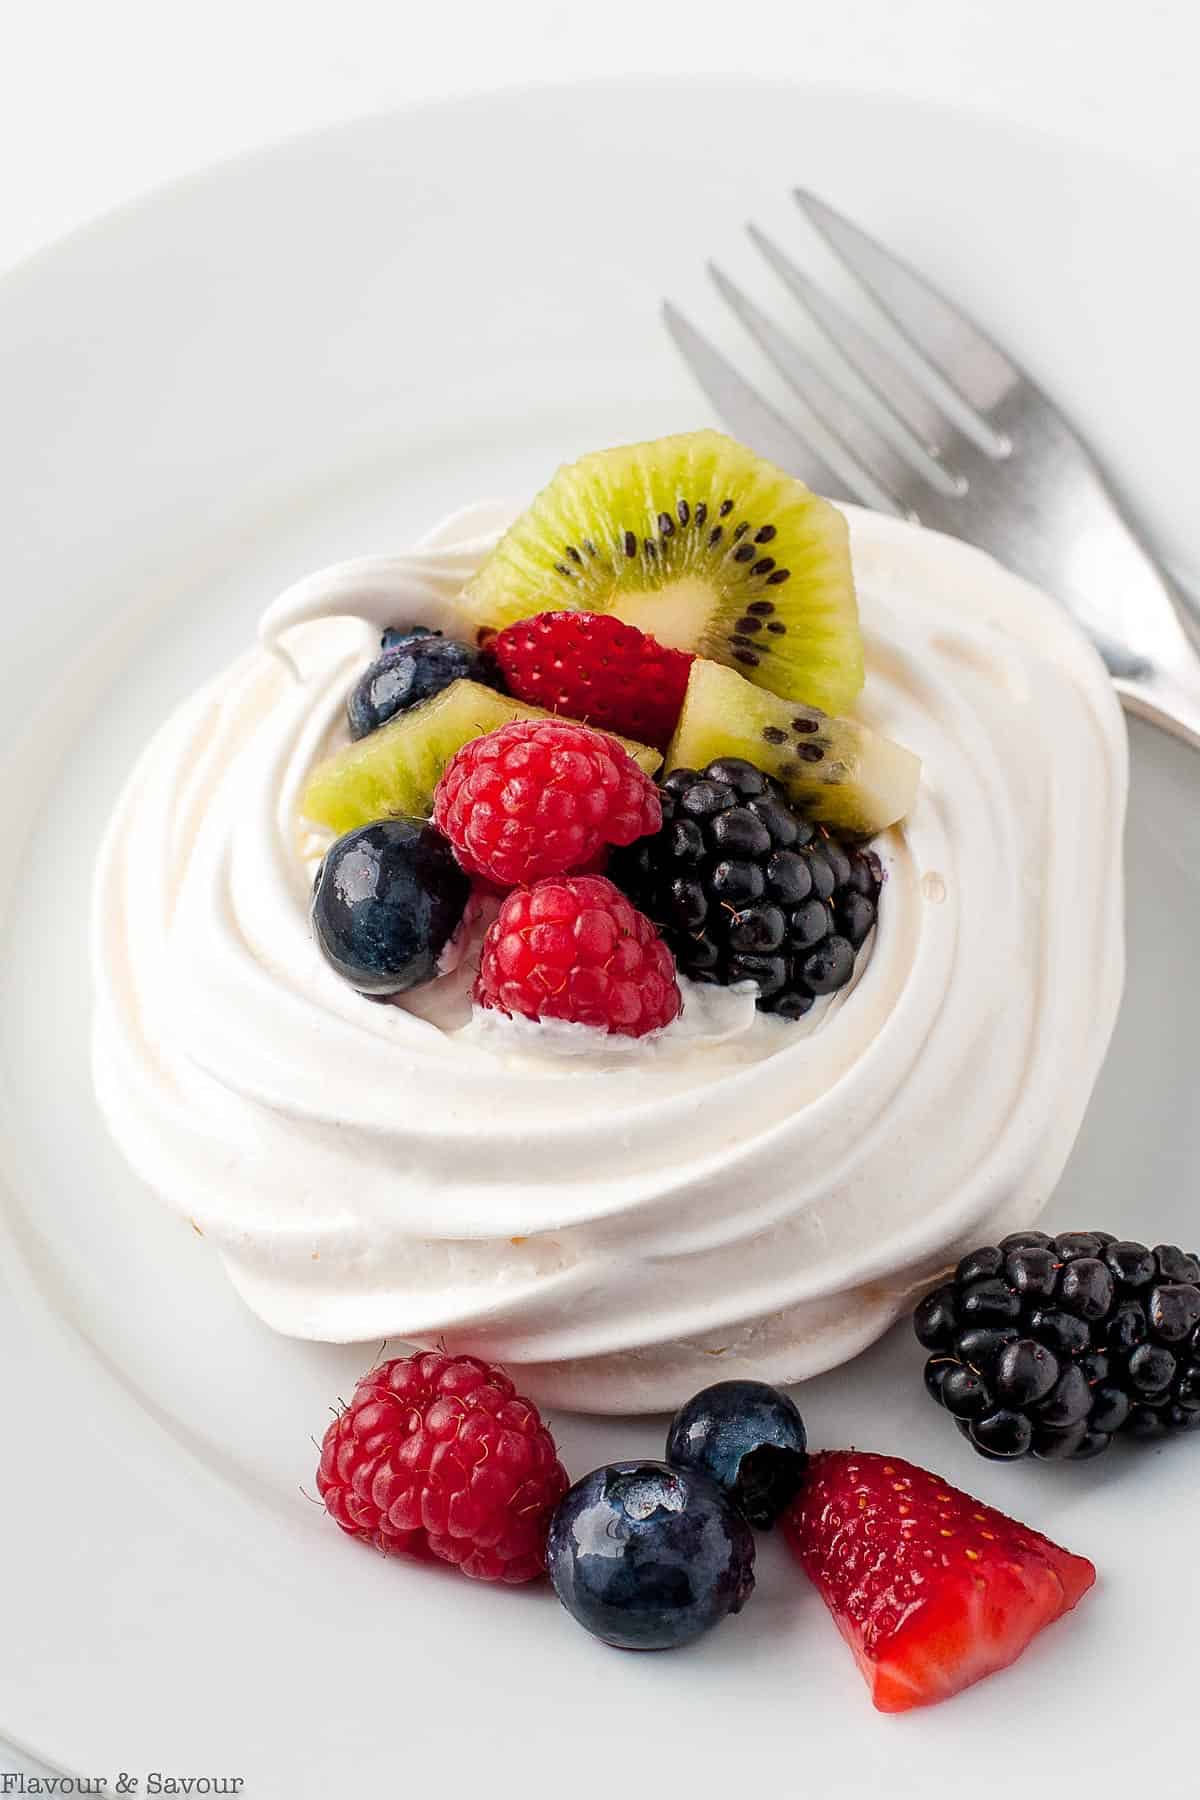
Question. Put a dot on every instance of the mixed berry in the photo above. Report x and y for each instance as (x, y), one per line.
(1054, 1346)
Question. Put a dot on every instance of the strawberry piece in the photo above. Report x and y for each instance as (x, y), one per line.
(931, 1589)
(591, 666)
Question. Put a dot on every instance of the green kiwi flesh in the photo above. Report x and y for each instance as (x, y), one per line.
(393, 772)
(703, 545)
(835, 770)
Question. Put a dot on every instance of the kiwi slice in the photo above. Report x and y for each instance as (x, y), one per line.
(703, 545)
(393, 772)
(836, 771)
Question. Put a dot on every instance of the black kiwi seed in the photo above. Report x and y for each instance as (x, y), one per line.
(773, 735)
(651, 549)
(743, 553)
(778, 576)
(701, 512)
(803, 724)
(666, 524)
(737, 638)
(562, 568)
(630, 544)
(714, 536)
(573, 553)
(765, 535)
(763, 566)
(777, 626)
(741, 530)
(683, 511)
(725, 508)
(810, 753)
(761, 608)
(590, 547)
(747, 657)
(748, 624)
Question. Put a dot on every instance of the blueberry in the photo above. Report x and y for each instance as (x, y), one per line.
(395, 635)
(748, 1438)
(648, 1557)
(409, 672)
(388, 899)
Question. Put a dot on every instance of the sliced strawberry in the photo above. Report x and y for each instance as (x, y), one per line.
(591, 666)
(931, 1590)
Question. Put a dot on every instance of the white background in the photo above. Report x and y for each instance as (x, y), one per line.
(99, 102)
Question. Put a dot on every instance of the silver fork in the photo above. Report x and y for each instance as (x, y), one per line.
(969, 446)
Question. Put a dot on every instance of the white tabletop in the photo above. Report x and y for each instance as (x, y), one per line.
(100, 103)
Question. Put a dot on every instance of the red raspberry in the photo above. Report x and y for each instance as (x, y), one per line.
(439, 1456)
(592, 666)
(578, 950)
(541, 797)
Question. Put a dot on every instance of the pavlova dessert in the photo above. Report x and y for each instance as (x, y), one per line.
(642, 938)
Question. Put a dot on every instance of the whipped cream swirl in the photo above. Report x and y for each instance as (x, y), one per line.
(621, 1223)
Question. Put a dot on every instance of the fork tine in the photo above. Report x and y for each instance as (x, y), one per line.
(862, 450)
(955, 349)
(914, 415)
(746, 412)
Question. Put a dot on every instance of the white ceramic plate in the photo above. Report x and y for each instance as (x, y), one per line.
(312, 354)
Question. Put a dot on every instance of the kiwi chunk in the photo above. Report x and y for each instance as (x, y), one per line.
(393, 772)
(703, 545)
(835, 770)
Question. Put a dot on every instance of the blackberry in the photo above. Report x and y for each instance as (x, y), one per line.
(745, 888)
(1054, 1346)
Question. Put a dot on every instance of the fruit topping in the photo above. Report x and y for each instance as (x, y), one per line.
(748, 1438)
(396, 769)
(648, 1557)
(591, 666)
(699, 542)
(411, 671)
(541, 797)
(439, 1457)
(395, 635)
(1052, 1346)
(931, 1589)
(744, 888)
(576, 949)
(388, 902)
(838, 771)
